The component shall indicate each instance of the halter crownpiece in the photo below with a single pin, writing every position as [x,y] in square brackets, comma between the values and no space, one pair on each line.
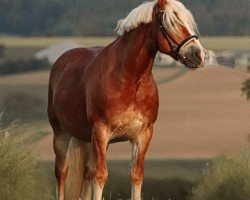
[170,39]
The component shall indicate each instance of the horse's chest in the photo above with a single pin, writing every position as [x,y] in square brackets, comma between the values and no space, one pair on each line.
[127,125]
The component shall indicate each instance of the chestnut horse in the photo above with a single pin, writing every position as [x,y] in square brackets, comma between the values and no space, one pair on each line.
[102,95]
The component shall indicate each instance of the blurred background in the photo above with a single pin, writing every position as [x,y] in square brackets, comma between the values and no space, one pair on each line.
[203,128]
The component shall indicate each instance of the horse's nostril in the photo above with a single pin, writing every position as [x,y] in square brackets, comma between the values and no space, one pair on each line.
[197,54]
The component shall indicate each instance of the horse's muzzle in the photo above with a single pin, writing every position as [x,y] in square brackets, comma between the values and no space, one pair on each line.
[194,57]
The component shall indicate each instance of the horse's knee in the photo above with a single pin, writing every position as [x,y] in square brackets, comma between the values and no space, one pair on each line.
[61,169]
[61,142]
[137,175]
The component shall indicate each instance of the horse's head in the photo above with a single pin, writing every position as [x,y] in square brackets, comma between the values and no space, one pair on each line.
[176,33]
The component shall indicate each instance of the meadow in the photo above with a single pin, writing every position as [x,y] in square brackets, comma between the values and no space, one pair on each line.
[182,101]
[164,179]
[213,43]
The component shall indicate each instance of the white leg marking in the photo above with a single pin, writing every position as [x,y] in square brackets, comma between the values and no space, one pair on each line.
[57,193]
[87,190]
[98,191]
[88,176]
[136,188]
[136,192]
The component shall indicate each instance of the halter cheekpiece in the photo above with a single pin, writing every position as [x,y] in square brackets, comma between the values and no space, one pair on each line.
[175,49]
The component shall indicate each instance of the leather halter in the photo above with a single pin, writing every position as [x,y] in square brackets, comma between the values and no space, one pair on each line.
[175,49]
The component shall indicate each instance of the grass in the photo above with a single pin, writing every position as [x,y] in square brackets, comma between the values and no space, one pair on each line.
[164,179]
[37,131]
[227,179]
[39,90]
[226,43]
[12,53]
[164,169]
[214,43]
[41,42]
[32,179]
[18,166]
[174,178]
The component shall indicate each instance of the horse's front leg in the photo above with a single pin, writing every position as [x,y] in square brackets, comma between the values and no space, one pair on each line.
[99,141]
[139,149]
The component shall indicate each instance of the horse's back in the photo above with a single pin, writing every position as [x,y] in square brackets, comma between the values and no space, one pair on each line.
[65,91]
[75,59]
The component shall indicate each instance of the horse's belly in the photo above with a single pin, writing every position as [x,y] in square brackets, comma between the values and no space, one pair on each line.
[72,117]
[76,127]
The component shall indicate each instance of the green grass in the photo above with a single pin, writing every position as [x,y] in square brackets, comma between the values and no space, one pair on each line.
[12,53]
[214,43]
[39,90]
[164,179]
[226,43]
[228,178]
[37,131]
[41,42]
[19,176]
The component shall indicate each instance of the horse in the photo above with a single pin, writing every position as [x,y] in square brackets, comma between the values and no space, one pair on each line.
[101,95]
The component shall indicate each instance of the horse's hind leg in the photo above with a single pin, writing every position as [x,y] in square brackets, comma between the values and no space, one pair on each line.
[95,171]
[88,177]
[60,144]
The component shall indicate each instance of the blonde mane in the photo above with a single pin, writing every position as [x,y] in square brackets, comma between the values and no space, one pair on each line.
[175,13]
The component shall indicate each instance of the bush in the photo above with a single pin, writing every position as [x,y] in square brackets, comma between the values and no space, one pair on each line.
[16,165]
[23,107]
[227,179]
[2,50]
[23,65]
[246,86]
[19,176]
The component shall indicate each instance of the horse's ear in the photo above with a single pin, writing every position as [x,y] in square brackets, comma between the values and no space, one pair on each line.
[162,3]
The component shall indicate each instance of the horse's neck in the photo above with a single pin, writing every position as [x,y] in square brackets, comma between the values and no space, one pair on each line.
[136,53]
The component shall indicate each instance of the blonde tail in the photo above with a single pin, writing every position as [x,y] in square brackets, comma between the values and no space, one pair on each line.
[76,157]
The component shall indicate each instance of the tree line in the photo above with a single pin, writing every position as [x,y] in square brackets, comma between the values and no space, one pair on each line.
[99,17]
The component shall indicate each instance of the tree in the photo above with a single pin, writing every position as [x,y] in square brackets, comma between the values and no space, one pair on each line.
[98,18]
[246,86]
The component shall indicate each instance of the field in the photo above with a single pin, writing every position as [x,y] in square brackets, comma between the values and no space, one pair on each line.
[174,179]
[204,108]
[214,43]
[202,114]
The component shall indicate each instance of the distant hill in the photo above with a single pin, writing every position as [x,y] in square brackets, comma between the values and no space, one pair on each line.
[99,17]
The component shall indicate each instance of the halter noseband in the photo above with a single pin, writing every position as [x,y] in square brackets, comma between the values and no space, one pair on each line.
[170,39]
